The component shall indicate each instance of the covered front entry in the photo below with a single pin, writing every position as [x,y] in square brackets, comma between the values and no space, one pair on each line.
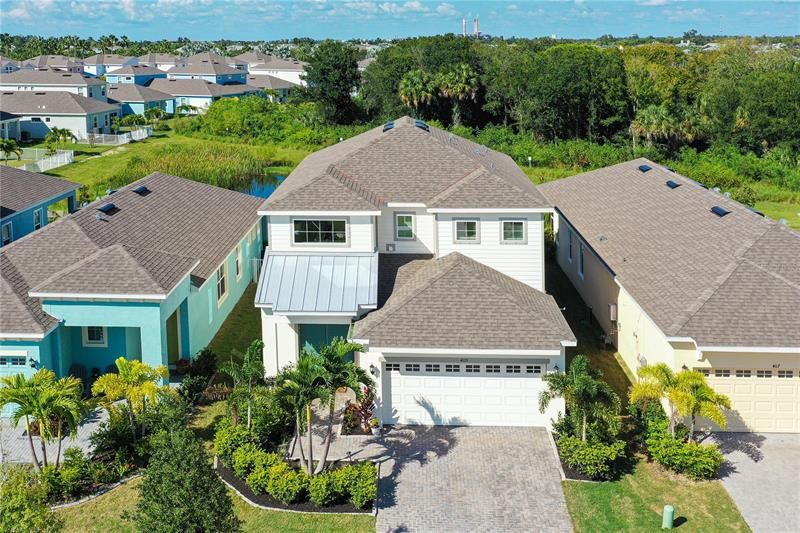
[317,335]
[466,391]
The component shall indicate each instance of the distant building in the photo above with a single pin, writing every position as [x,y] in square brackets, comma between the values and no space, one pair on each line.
[9,126]
[208,70]
[276,89]
[199,94]
[364,63]
[101,64]
[211,57]
[39,112]
[162,62]
[57,62]
[260,64]
[54,80]
[136,99]
[135,74]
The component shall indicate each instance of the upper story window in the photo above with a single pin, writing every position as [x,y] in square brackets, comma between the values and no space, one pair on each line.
[513,232]
[239,262]
[404,226]
[8,235]
[37,219]
[569,248]
[332,231]
[580,260]
[467,230]
[222,282]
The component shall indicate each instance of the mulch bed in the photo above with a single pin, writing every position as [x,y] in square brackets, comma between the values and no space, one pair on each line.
[268,501]
[569,472]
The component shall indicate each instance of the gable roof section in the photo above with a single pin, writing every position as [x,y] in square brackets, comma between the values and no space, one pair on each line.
[440,305]
[145,247]
[21,190]
[108,59]
[198,87]
[131,92]
[410,164]
[57,61]
[152,59]
[51,103]
[212,56]
[265,81]
[49,76]
[205,67]
[694,273]
[136,70]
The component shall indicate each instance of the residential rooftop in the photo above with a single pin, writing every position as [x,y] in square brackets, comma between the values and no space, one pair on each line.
[211,56]
[128,244]
[136,70]
[51,103]
[107,59]
[57,61]
[265,81]
[21,189]
[198,87]
[700,264]
[405,161]
[131,92]
[151,59]
[205,67]
[49,76]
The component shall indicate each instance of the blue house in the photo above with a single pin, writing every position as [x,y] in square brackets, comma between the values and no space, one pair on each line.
[208,70]
[149,272]
[135,74]
[26,199]
[136,99]
[198,95]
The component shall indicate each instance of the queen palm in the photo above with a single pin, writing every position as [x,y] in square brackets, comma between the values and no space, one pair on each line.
[694,397]
[59,136]
[59,403]
[9,147]
[588,398]
[656,383]
[23,393]
[247,372]
[136,383]
[340,373]
[299,387]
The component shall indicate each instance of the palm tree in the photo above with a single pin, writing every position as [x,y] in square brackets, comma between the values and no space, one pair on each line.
[693,396]
[59,136]
[9,147]
[246,373]
[154,114]
[68,408]
[185,108]
[654,123]
[136,383]
[585,395]
[416,89]
[656,382]
[458,85]
[299,387]
[340,373]
[24,394]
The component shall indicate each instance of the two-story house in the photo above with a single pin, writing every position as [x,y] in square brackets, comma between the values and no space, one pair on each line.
[162,62]
[102,64]
[428,249]
[212,71]
[135,74]
[50,79]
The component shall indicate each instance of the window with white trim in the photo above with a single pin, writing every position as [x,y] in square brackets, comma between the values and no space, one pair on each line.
[432,367]
[412,367]
[222,282]
[333,231]
[744,374]
[94,336]
[238,262]
[763,373]
[513,232]
[12,361]
[722,373]
[580,260]
[513,369]
[706,372]
[404,227]
[393,367]
[467,231]
[533,369]
[452,368]
[785,373]
[8,234]
[492,369]
[569,249]
[473,368]
[37,218]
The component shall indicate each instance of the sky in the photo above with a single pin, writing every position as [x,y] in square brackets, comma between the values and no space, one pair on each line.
[346,19]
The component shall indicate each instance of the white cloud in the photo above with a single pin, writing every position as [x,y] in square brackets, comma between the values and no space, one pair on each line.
[446,9]
[681,14]
[129,8]
[652,2]
[394,8]
[20,13]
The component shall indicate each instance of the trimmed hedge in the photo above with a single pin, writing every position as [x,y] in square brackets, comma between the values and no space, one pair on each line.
[694,460]
[287,484]
[593,459]
[228,439]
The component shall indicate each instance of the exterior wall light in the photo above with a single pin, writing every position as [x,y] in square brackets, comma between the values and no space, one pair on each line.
[373,370]
[32,362]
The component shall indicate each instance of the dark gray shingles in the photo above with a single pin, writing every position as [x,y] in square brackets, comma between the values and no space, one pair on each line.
[130,92]
[21,189]
[442,303]
[51,103]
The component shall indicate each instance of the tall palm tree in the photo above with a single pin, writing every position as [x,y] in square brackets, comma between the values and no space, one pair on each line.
[22,392]
[340,373]
[300,386]
[59,136]
[656,383]
[246,372]
[585,395]
[68,408]
[9,147]
[416,89]
[693,397]
[654,123]
[136,383]
[458,85]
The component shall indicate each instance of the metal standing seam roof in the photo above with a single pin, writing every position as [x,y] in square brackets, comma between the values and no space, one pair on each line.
[323,283]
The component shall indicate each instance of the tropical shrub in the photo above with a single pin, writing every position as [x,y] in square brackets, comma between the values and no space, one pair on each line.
[75,473]
[322,489]
[180,490]
[364,488]
[696,461]
[593,459]
[204,364]
[249,457]
[23,503]
[229,438]
[287,484]
[192,388]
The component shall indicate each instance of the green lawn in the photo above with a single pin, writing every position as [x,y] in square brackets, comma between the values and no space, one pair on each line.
[635,503]
[242,326]
[779,210]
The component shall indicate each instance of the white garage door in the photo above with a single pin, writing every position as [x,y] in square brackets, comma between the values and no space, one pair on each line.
[444,392]
[764,400]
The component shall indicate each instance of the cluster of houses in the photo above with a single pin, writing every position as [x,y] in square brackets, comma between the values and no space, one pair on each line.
[85,95]
[429,251]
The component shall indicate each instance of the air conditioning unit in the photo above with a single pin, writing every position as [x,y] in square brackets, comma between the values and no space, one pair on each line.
[612,312]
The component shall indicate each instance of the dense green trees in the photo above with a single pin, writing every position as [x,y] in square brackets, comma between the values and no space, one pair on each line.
[332,77]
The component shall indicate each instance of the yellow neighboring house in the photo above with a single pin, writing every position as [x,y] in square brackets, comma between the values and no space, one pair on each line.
[680,274]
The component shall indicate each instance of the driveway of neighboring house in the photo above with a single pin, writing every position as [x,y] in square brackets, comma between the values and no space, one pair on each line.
[763,478]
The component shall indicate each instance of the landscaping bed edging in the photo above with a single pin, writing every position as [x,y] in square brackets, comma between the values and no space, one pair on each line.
[94,495]
[267,502]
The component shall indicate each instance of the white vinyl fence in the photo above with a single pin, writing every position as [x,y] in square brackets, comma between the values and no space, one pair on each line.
[108,139]
[44,160]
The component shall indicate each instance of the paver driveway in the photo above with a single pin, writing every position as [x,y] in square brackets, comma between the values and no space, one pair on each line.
[763,478]
[470,479]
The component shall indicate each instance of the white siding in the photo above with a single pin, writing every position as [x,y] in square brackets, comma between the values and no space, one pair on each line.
[360,238]
[425,232]
[524,262]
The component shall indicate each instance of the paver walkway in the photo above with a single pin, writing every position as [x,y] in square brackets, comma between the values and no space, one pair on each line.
[763,478]
[14,447]
[459,479]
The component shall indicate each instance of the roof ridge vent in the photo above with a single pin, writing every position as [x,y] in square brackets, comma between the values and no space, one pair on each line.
[673,184]
[645,168]
[719,211]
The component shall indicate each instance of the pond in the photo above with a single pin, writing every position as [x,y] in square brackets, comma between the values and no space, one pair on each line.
[262,186]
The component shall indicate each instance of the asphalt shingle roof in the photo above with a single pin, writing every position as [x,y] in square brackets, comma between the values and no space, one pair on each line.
[136,70]
[265,81]
[107,59]
[724,281]
[405,164]
[48,76]
[51,103]
[437,294]
[198,87]
[20,189]
[145,247]
[131,92]
[205,67]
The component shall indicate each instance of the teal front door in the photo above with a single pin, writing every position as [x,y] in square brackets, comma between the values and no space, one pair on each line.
[317,335]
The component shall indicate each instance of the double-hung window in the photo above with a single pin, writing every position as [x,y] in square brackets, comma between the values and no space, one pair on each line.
[37,219]
[95,336]
[580,260]
[513,232]
[569,248]
[332,231]
[8,235]
[467,231]
[238,262]
[222,283]
[404,226]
